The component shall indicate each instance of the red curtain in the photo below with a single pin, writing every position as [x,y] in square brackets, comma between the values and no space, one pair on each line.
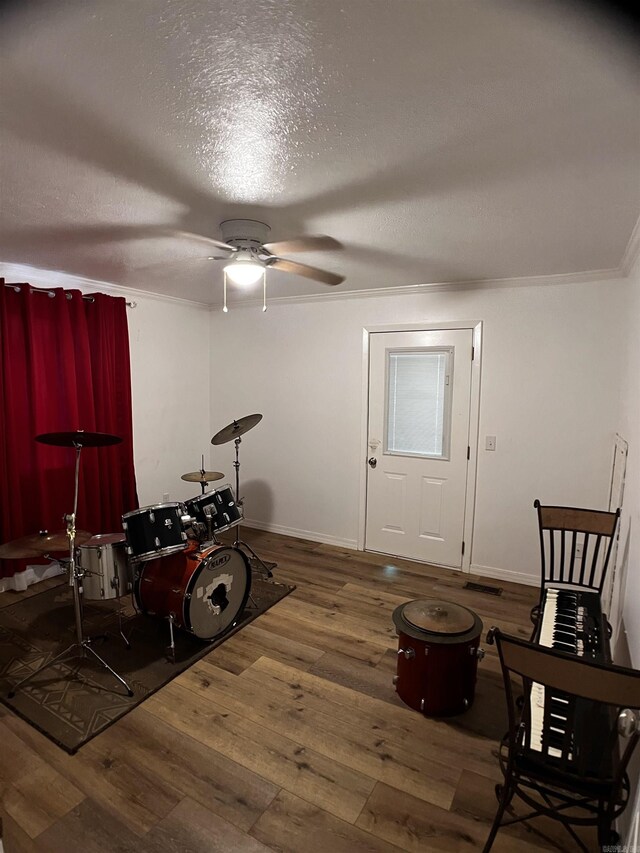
[64,366]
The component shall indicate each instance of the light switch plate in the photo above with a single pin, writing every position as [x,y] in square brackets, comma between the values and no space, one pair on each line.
[490,442]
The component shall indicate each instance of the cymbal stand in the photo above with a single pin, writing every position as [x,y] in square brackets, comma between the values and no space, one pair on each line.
[266,567]
[203,482]
[82,644]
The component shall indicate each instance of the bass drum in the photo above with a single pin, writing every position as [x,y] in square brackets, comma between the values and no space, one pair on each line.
[205,591]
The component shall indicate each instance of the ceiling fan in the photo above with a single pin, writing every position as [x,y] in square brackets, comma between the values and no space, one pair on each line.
[245,246]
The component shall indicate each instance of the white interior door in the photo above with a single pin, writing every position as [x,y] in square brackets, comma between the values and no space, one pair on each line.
[418,437]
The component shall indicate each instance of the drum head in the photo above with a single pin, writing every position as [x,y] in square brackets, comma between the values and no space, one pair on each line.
[218,591]
[105,539]
[439,617]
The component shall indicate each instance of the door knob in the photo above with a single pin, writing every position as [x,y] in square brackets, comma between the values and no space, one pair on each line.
[372,461]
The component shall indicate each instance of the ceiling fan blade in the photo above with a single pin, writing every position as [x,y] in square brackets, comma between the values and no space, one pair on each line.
[78,234]
[216,244]
[162,265]
[89,234]
[317,243]
[285,265]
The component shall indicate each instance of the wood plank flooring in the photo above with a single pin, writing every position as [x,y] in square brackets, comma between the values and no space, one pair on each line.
[289,737]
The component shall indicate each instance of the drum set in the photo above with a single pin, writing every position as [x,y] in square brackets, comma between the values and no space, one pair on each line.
[168,556]
[179,569]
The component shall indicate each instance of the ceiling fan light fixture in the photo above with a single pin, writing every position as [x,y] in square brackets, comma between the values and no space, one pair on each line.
[244,269]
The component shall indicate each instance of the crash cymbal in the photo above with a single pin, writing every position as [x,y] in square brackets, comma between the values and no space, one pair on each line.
[202,476]
[43,542]
[78,438]
[235,429]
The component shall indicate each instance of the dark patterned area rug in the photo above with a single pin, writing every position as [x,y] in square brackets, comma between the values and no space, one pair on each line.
[72,701]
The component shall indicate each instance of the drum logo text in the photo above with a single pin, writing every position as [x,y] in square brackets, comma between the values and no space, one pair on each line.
[222,560]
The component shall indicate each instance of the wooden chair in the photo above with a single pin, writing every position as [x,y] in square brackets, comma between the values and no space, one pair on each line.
[575,548]
[584,780]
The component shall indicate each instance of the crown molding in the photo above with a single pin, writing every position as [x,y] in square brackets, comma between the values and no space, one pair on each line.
[55,278]
[437,287]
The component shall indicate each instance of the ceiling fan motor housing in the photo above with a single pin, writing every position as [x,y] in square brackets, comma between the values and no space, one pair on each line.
[244,233]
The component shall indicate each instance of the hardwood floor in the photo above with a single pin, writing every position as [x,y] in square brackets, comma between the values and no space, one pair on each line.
[289,737]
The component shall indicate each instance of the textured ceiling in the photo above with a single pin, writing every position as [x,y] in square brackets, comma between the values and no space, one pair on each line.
[437,140]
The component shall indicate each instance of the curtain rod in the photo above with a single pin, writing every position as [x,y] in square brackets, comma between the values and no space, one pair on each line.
[18,285]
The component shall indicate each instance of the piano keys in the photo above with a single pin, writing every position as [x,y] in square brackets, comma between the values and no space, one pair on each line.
[572,622]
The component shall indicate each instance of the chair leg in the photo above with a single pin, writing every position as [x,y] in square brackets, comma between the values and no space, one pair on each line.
[534,615]
[606,836]
[506,795]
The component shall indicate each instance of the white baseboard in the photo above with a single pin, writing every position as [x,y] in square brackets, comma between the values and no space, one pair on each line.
[352,544]
[324,538]
[505,575]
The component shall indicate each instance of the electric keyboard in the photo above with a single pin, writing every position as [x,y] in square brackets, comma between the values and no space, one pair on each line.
[572,622]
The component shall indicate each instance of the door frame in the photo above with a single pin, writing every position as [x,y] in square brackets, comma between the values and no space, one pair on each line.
[474,423]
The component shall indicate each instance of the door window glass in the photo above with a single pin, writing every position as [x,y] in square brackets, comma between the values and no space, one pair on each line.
[418,402]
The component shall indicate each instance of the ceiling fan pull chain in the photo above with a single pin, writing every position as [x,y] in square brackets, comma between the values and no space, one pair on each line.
[224,307]
[264,290]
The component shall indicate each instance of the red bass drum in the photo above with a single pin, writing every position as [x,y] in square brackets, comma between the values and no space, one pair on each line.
[205,591]
[437,656]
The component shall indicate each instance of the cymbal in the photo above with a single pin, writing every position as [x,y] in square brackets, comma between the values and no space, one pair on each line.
[235,429]
[440,617]
[202,476]
[79,437]
[37,544]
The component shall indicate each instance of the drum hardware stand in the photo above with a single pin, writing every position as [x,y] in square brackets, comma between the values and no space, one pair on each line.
[82,647]
[121,632]
[172,644]
[208,515]
[116,586]
[266,567]
[203,482]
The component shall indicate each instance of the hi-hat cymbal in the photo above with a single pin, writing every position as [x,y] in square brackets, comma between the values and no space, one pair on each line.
[37,544]
[236,429]
[202,476]
[78,438]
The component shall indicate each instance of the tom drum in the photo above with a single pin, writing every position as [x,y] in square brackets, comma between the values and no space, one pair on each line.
[205,591]
[220,505]
[155,531]
[437,656]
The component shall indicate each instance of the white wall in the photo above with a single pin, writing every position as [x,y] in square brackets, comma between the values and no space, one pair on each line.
[553,367]
[552,358]
[170,384]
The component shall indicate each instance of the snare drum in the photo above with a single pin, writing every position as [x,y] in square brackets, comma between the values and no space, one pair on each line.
[106,572]
[155,531]
[205,591]
[220,504]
